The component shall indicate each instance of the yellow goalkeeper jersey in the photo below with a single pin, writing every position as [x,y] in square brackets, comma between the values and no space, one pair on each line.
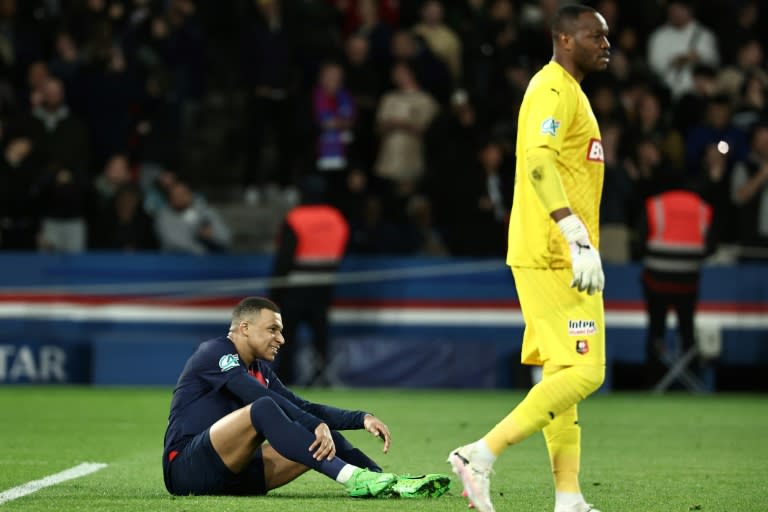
[556,114]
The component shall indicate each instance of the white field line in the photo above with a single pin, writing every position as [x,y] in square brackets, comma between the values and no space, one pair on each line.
[86,468]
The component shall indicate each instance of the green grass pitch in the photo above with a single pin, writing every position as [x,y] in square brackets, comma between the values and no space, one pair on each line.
[672,453]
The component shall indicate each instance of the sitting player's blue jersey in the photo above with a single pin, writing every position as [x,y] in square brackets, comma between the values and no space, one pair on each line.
[214,383]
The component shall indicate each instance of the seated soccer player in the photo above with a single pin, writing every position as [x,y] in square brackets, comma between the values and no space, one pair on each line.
[228,402]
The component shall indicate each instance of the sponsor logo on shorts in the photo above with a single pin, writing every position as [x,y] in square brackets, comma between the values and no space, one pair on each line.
[581,327]
[582,346]
[229,361]
[549,126]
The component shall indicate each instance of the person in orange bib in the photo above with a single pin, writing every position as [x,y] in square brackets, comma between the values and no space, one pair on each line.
[313,241]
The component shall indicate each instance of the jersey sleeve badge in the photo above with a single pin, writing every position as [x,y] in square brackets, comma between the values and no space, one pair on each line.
[229,361]
[549,126]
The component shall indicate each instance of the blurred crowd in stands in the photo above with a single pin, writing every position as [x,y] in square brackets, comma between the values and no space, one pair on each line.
[122,121]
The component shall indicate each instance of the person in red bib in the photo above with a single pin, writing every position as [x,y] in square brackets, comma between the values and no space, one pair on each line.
[312,243]
[677,237]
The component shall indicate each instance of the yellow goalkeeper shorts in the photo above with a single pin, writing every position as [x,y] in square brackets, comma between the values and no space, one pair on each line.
[562,325]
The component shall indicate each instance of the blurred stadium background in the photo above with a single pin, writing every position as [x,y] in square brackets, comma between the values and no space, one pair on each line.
[108,106]
[117,114]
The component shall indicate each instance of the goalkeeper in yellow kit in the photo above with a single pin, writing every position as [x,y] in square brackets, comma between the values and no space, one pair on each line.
[553,253]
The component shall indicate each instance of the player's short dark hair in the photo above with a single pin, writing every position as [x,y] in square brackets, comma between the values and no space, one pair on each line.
[251,305]
[565,18]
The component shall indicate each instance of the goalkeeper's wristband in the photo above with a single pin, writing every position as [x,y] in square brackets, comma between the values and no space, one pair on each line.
[573,230]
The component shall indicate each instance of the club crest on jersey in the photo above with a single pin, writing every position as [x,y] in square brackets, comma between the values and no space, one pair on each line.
[595,151]
[549,126]
[582,347]
[229,361]
[581,327]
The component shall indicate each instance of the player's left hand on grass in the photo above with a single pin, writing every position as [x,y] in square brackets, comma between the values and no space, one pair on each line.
[379,429]
[587,267]
[323,445]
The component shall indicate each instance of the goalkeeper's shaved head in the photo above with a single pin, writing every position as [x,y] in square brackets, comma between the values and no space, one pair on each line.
[567,18]
[580,40]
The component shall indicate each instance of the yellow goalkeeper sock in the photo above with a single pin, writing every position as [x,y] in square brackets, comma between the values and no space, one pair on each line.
[561,388]
[563,437]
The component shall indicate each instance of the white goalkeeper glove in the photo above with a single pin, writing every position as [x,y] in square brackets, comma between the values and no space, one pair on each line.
[585,260]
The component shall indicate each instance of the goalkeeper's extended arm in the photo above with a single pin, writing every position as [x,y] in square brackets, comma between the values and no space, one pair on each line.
[587,268]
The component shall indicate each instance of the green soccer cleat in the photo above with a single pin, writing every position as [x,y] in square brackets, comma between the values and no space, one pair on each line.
[368,484]
[432,485]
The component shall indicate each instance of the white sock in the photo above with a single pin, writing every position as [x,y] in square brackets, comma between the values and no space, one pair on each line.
[346,473]
[568,499]
[482,454]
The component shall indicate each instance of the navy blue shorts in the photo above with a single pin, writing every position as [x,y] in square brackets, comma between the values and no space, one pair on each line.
[198,469]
